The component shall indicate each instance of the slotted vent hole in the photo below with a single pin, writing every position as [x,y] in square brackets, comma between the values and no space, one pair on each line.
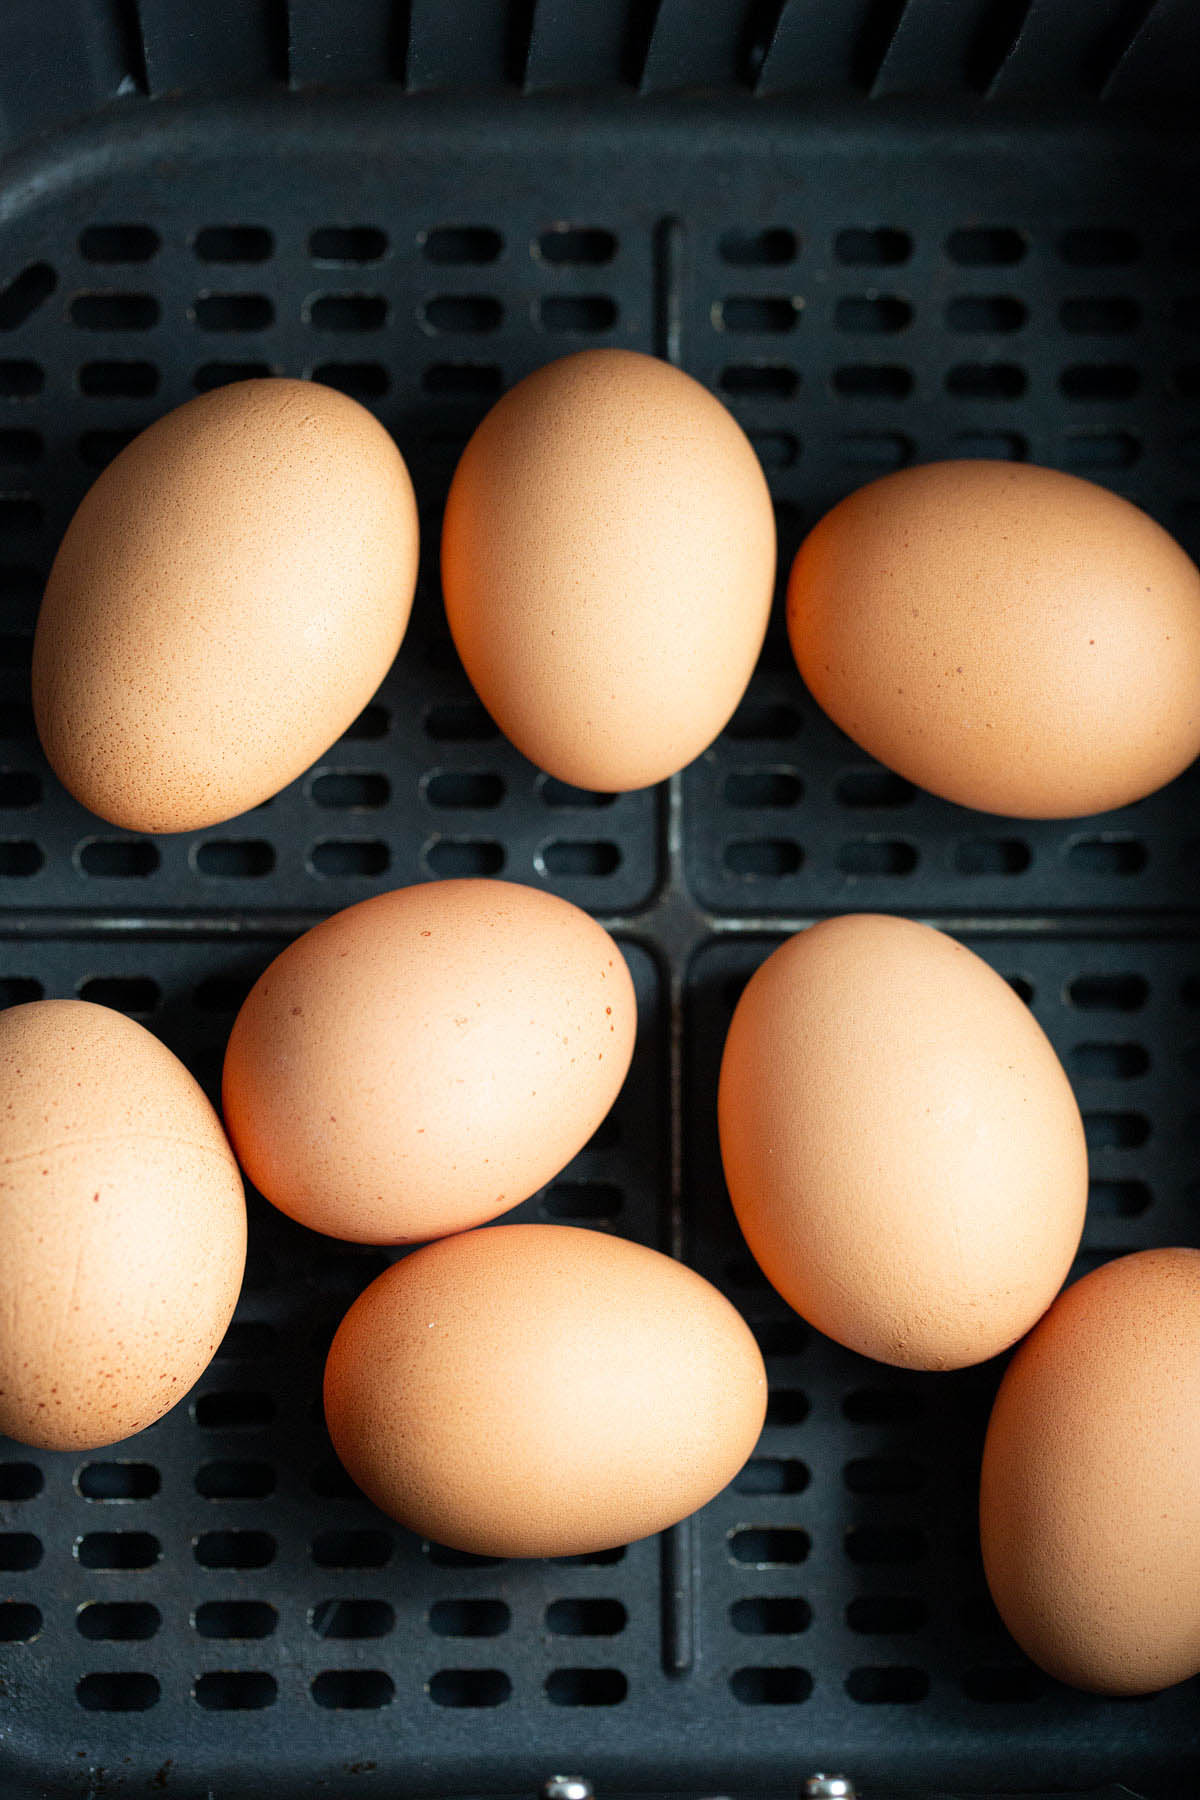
[235,1480]
[471,244]
[881,246]
[117,1550]
[470,1688]
[118,1621]
[20,1622]
[115,311]
[235,1550]
[985,246]
[133,994]
[347,312]
[586,1687]
[470,1618]
[586,1618]
[117,1690]
[772,1475]
[770,1616]
[336,858]
[768,248]
[453,858]
[363,1549]
[577,856]
[119,243]
[886,1615]
[887,1686]
[235,1690]
[119,1481]
[771,1686]
[770,1546]
[353,1618]
[233,1409]
[19,1550]
[235,1620]
[586,246]
[347,244]
[23,295]
[1108,993]
[20,1481]
[763,858]
[234,244]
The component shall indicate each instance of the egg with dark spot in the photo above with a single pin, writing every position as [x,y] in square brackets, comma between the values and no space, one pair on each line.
[455,1031]
[123,1226]
[1012,638]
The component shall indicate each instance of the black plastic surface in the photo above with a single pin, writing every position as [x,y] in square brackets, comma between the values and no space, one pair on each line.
[862,292]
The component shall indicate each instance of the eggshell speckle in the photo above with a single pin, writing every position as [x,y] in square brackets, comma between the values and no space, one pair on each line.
[536,1390]
[425,1060]
[1090,1495]
[122,1221]
[901,1144]
[1009,637]
[227,598]
[608,560]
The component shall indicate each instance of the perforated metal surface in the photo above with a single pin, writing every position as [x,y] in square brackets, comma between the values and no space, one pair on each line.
[211,1602]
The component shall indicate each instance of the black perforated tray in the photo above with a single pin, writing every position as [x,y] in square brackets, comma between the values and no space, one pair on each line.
[211,1608]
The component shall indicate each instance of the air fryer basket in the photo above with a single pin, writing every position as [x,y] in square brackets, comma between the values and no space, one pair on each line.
[882,234]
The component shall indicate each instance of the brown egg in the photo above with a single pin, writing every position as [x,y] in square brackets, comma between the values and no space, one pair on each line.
[428,1058]
[537,1390]
[123,1225]
[903,1150]
[608,560]
[1089,1505]
[1008,637]
[227,598]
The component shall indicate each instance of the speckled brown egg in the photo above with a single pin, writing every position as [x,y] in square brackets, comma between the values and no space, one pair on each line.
[902,1147]
[608,559]
[428,1058]
[122,1226]
[1090,1497]
[1012,638]
[227,598]
[537,1390]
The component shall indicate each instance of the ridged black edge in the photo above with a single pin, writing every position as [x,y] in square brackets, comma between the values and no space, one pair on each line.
[578,44]
[59,62]
[133,48]
[948,49]
[696,46]
[448,48]
[1068,47]
[353,41]
[1163,56]
[819,48]
[224,44]
[68,62]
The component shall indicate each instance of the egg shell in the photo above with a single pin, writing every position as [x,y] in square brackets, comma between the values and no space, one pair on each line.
[428,1058]
[1012,638]
[538,1390]
[902,1147]
[228,596]
[122,1221]
[1090,1494]
[608,561]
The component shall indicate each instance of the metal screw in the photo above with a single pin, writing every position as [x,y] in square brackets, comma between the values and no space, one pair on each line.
[569,1787]
[829,1787]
